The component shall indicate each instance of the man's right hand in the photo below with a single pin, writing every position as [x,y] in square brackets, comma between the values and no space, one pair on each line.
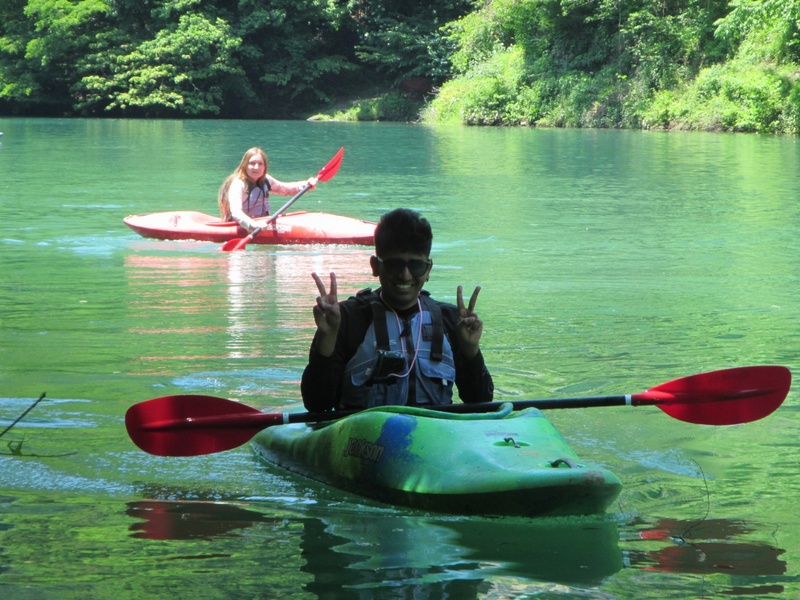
[327,315]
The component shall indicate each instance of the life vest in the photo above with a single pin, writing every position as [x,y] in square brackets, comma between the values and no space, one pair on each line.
[401,360]
[257,203]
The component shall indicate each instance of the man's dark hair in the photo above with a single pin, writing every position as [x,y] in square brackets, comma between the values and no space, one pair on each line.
[403,230]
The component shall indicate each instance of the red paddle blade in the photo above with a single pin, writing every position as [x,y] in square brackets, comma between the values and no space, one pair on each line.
[191,425]
[240,243]
[725,397]
[243,243]
[328,171]
[233,244]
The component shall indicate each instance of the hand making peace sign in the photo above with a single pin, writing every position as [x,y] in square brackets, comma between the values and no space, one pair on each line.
[470,327]
[326,315]
[326,310]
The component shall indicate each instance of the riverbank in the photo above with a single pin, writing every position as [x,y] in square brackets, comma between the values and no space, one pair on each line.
[738,98]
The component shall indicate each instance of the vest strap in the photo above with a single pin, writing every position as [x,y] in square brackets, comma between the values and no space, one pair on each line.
[437,327]
[379,321]
[382,330]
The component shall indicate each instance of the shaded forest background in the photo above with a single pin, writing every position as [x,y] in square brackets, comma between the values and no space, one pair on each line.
[693,64]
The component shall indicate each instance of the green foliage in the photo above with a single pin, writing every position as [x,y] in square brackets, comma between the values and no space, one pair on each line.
[41,42]
[479,36]
[182,70]
[401,38]
[387,107]
[758,30]
[755,90]
[490,95]
[295,54]
[663,50]
[732,97]
[206,57]
[624,64]
[533,62]
[721,65]
[793,110]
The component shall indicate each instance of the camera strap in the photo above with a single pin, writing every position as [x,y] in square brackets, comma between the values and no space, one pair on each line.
[436,326]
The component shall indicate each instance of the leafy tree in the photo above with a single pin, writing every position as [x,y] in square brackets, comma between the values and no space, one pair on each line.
[17,83]
[593,63]
[294,53]
[41,42]
[185,69]
[762,29]
[756,89]
[718,64]
[401,38]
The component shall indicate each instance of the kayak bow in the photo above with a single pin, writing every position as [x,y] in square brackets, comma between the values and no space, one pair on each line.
[501,463]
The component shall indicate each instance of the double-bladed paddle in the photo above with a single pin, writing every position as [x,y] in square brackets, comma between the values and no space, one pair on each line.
[325,173]
[191,425]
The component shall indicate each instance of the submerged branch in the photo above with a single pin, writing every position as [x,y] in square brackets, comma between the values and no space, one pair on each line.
[16,446]
[22,416]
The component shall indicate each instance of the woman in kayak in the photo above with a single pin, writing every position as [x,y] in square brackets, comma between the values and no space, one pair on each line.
[395,345]
[244,195]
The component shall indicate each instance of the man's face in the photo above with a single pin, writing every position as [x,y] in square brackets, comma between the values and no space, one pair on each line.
[402,275]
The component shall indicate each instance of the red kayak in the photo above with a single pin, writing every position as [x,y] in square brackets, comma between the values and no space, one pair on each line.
[291,228]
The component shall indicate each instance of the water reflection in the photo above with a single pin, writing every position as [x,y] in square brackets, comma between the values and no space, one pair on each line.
[231,323]
[175,305]
[275,290]
[430,557]
[236,298]
[166,520]
[368,551]
[245,275]
[706,547]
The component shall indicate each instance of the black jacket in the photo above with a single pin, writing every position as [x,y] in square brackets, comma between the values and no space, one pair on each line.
[321,383]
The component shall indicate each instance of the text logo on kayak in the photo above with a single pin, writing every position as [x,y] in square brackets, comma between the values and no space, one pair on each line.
[363,449]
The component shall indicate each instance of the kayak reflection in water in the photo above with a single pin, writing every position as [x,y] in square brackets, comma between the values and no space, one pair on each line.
[244,195]
[395,345]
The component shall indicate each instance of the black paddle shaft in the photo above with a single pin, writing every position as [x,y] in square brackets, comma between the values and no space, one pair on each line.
[478,407]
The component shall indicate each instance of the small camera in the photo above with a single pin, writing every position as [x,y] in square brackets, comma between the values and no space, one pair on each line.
[390,362]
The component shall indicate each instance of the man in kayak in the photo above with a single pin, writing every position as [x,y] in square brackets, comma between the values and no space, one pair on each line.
[244,195]
[395,345]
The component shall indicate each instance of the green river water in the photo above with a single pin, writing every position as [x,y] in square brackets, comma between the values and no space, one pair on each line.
[610,262]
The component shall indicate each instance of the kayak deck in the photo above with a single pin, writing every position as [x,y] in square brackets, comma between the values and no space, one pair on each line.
[503,463]
[290,228]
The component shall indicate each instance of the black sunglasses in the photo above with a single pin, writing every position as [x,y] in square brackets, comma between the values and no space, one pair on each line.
[395,266]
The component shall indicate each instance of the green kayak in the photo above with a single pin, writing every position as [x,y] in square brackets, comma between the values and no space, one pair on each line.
[500,463]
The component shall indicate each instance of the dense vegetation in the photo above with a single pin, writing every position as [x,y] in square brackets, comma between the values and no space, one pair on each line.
[228,58]
[696,64]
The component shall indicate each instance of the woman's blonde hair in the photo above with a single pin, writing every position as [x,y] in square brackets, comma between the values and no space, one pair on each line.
[239,173]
